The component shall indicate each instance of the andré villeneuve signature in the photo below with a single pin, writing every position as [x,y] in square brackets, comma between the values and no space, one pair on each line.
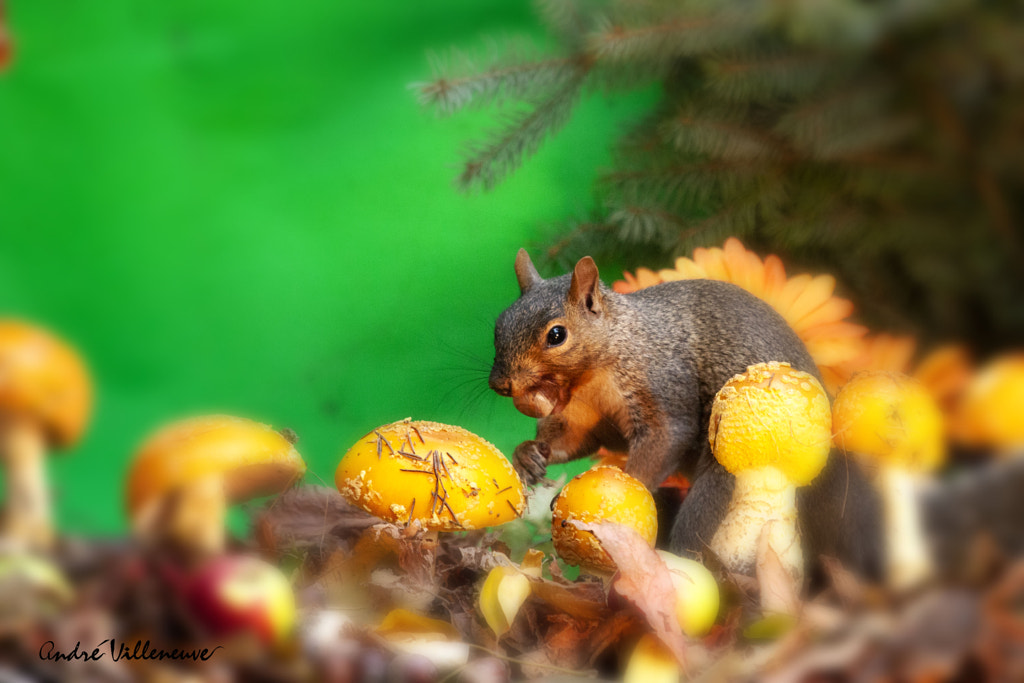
[118,651]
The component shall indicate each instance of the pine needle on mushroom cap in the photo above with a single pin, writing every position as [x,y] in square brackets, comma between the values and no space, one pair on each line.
[442,476]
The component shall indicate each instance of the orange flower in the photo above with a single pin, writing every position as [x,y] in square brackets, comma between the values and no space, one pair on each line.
[946,372]
[805,301]
[881,352]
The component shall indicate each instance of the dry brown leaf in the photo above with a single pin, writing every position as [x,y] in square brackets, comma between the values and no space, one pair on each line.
[611,632]
[567,641]
[848,588]
[527,631]
[936,633]
[584,600]
[316,518]
[643,580]
[794,659]
[780,590]
[1000,640]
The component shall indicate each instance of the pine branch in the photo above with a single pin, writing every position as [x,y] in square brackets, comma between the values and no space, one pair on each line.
[845,121]
[523,133]
[888,176]
[569,20]
[694,184]
[582,238]
[720,136]
[873,136]
[767,77]
[644,225]
[739,219]
[459,82]
[659,44]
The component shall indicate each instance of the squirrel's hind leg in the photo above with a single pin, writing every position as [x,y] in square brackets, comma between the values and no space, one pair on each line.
[702,512]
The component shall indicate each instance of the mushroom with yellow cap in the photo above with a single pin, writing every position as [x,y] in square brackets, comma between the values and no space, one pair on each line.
[989,413]
[771,428]
[45,400]
[441,476]
[186,474]
[891,423]
[601,494]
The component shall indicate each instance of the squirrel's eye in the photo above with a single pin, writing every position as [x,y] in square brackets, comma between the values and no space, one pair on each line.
[557,335]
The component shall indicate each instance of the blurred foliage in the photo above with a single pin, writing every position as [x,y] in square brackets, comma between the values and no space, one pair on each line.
[882,141]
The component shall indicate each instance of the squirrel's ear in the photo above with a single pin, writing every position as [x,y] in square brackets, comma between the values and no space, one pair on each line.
[525,272]
[585,289]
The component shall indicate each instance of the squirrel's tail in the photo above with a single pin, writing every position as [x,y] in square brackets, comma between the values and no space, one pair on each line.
[979,505]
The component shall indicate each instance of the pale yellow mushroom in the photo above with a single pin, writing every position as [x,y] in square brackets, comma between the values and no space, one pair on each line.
[892,425]
[45,401]
[771,428]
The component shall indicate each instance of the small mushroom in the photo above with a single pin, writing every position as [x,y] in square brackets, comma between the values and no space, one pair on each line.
[184,477]
[697,594]
[892,425]
[601,494]
[45,401]
[771,428]
[443,477]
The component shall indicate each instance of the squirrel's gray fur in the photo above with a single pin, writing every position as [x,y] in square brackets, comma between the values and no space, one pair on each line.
[644,369]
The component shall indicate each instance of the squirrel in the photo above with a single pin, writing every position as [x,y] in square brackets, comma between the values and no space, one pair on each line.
[638,373]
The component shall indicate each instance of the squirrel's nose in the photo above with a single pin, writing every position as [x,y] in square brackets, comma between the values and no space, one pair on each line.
[499,382]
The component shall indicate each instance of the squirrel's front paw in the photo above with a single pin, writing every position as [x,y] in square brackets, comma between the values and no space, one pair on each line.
[530,460]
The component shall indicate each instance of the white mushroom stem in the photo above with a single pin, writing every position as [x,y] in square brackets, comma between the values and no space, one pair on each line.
[763,500]
[908,558]
[27,520]
[192,518]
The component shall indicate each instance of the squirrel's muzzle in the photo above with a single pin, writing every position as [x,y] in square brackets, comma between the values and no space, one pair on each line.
[532,402]
[500,382]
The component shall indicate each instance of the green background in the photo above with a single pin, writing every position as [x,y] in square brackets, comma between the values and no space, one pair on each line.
[239,206]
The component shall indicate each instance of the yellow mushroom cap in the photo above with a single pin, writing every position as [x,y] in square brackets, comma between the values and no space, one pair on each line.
[43,379]
[253,458]
[772,415]
[990,413]
[445,477]
[601,494]
[889,417]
